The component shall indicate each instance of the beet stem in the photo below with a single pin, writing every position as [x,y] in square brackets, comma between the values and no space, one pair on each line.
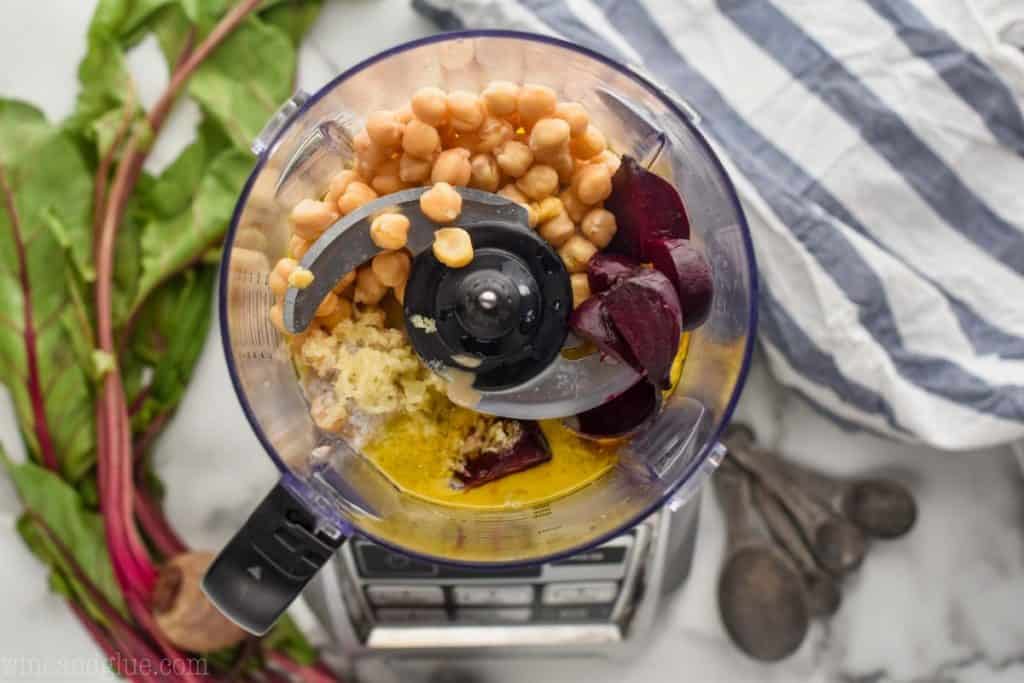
[44,437]
[132,564]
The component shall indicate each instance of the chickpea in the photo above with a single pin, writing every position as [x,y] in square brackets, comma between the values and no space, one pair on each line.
[365,172]
[576,253]
[558,230]
[575,115]
[514,158]
[580,284]
[593,183]
[564,166]
[420,139]
[430,105]
[494,132]
[599,227]
[535,102]
[441,203]
[539,182]
[414,170]
[277,318]
[500,98]
[278,279]
[387,184]
[368,153]
[344,283]
[452,167]
[572,204]
[609,159]
[356,195]
[369,290]
[549,208]
[338,185]
[465,111]
[531,215]
[548,134]
[453,247]
[328,305]
[391,267]
[390,231]
[588,144]
[387,181]
[513,193]
[483,173]
[404,115]
[384,129]
[298,247]
[343,311]
[310,218]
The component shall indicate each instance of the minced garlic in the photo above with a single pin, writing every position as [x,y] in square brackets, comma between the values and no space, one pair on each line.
[372,369]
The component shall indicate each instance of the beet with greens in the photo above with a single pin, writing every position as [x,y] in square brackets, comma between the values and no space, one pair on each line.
[689,273]
[646,207]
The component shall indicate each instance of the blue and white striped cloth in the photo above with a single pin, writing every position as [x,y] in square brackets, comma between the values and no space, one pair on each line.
[878,148]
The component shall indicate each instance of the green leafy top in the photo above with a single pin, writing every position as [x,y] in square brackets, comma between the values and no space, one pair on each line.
[163,287]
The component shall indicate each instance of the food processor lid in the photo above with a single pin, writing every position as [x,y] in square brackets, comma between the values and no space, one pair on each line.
[495,329]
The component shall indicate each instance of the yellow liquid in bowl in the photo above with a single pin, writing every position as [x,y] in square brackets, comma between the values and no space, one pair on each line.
[417,453]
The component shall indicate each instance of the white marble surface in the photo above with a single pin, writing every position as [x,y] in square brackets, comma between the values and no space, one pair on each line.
[942,605]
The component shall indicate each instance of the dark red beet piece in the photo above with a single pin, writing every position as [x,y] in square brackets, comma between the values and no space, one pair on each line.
[531,449]
[590,320]
[689,272]
[623,413]
[646,207]
[644,310]
[604,270]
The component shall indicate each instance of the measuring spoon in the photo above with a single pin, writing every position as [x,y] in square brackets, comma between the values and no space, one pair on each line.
[837,544]
[761,596]
[823,595]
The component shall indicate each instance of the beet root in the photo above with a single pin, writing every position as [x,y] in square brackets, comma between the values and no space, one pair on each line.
[689,273]
[644,310]
[646,207]
[590,320]
[184,614]
[529,450]
[622,414]
[604,270]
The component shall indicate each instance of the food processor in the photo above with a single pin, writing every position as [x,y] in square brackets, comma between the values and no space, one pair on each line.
[585,568]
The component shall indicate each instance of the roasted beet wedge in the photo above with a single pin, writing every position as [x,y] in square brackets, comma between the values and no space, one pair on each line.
[531,449]
[622,414]
[644,310]
[604,270]
[590,320]
[689,273]
[646,207]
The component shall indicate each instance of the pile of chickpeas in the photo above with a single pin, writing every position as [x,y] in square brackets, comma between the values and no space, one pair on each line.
[517,141]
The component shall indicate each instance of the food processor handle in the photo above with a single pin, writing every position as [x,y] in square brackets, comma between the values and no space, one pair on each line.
[265,566]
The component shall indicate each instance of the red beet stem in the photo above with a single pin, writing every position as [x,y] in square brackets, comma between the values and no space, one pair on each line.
[44,438]
[155,525]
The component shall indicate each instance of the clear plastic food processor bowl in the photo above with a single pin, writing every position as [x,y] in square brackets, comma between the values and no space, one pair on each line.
[327,490]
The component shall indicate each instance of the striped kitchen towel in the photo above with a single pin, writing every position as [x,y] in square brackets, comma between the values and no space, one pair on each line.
[878,148]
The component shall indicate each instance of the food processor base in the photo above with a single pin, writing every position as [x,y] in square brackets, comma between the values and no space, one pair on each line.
[375,603]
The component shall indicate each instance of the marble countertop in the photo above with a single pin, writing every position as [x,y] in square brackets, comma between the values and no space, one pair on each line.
[941,605]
